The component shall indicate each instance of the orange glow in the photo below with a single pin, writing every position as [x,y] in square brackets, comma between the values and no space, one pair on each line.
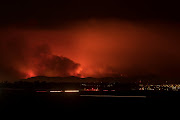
[102,48]
[30,74]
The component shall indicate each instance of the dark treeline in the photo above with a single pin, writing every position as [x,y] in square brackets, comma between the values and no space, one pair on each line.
[72,82]
[42,82]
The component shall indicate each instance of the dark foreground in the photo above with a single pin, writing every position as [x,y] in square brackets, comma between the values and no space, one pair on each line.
[25,102]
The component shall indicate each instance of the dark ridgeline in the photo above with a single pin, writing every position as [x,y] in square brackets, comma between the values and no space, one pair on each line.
[72,82]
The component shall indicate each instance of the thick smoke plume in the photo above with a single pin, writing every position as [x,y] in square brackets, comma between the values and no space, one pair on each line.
[22,58]
[104,48]
[47,64]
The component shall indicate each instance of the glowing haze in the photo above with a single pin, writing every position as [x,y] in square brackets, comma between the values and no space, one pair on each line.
[93,48]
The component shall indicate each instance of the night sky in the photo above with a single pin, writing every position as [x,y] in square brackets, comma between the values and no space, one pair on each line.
[87,38]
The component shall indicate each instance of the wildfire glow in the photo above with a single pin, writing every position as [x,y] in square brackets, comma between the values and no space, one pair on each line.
[103,48]
[30,74]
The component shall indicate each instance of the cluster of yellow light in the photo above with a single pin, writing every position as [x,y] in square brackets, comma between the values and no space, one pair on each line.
[175,87]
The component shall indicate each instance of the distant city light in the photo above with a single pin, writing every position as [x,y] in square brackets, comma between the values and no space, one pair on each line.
[105,90]
[56,91]
[162,87]
[69,91]
[92,89]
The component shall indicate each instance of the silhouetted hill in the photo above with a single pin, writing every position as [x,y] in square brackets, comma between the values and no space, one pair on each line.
[73,79]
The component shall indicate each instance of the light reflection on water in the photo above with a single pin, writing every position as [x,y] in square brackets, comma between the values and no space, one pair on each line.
[113,96]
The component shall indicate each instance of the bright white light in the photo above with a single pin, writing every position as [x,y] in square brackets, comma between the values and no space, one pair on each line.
[56,91]
[71,90]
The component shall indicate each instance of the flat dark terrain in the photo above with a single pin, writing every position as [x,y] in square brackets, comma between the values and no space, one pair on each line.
[26,101]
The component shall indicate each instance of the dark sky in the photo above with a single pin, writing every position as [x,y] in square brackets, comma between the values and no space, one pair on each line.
[45,12]
[89,38]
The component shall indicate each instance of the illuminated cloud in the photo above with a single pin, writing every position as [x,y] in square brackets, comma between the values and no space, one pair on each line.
[93,48]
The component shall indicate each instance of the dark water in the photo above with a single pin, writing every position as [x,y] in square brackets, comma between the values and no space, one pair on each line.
[23,102]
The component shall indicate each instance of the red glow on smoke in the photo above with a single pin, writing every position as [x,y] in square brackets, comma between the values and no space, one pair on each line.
[30,74]
[90,49]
